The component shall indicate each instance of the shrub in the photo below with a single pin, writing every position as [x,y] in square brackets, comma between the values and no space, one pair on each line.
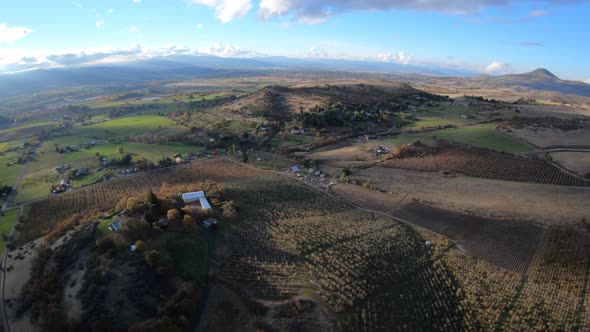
[189,224]
[153,258]
[172,214]
[229,211]
[139,245]
[134,230]
[104,245]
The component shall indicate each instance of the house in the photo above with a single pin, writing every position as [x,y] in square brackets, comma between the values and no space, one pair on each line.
[115,226]
[295,169]
[193,197]
[61,187]
[163,222]
[209,222]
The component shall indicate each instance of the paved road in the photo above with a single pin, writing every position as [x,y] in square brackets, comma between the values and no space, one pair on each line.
[558,150]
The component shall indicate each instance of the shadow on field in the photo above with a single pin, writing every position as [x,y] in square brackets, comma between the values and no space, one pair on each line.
[506,244]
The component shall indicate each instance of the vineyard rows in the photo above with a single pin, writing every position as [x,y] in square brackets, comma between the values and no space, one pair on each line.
[45,214]
[90,162]
[551,299]
[374,273]
[485,164]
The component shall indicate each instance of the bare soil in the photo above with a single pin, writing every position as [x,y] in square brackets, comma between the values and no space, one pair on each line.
[537,203]
[578,162]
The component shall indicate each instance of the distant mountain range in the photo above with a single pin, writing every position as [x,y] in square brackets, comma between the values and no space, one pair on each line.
[189,66]
[539,79]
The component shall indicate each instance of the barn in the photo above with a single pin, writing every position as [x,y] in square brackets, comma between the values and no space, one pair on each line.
[190,198]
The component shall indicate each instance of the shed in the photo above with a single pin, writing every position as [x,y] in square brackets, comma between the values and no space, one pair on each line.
[115,226]
[193,196]
[209,222]
[196,196]
[295,169]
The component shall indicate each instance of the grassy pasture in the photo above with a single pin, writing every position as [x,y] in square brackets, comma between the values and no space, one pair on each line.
[124,127]
[482,135]
[6,222]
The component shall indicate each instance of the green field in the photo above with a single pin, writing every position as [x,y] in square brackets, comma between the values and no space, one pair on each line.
[9,174]
[153,152]
[6,223]
[443,115]
[124,127]
[482,135]
[189,254]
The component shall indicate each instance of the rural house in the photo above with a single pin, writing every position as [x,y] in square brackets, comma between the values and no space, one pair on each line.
[189,198]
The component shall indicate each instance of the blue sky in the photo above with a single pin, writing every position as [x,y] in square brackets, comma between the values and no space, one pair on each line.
[493,36]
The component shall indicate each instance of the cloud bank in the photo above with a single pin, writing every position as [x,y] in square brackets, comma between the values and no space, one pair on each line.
[317,11]
[10,34]
[226,10]
[498,68]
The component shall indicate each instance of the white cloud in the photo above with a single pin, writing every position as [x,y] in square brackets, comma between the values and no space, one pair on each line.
[99,24]
[12,34]
[136,1]
[200,26]
[110,11]
[226,51]
[316,53]
[498,68]
[537,13]
[397,57]
[133,28]
[226,10]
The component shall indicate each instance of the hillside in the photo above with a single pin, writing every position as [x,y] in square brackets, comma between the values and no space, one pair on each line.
[543,79]
[5,122]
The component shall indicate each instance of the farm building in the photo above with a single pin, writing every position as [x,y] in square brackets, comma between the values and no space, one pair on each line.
[115,226]
[193,197]
[209,222]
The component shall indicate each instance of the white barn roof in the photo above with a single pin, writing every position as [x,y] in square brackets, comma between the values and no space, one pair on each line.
[193,197]
[205,203]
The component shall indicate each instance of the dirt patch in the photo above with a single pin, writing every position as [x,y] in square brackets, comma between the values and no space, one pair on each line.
[497,199]
[549,137]
[18,267]
[578,162]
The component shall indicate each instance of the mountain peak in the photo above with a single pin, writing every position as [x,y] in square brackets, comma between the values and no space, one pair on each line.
[542,72]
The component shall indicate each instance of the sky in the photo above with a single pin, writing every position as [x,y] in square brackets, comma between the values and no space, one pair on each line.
[482,36]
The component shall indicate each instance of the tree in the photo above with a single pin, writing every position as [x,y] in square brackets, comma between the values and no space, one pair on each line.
[120,150]
[139,245]
[152,198]
[147,216]
[172,214]
[153,258]
[126,159]
[188,223]
[229,210]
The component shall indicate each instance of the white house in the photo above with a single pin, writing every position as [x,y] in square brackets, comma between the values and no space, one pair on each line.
[196,196]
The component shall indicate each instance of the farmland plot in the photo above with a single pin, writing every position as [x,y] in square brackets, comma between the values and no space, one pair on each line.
[485,164]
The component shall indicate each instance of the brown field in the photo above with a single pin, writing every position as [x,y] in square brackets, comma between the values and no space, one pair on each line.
[482,163]
[537,203]
[578,162]
[506,244]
